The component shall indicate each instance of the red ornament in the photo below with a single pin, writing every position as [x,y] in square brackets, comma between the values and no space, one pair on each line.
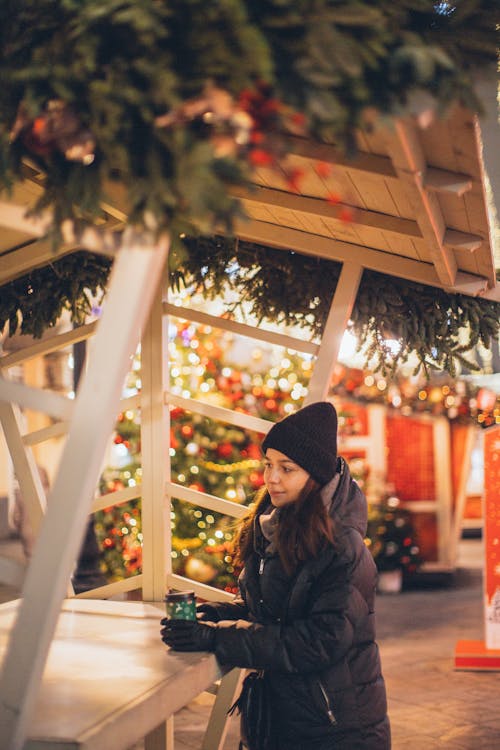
[260,158]
[333,198]
[256,479]
[224,450]
[187,431]
[298,118]
[323,169]
[254,451]
[257,137]
[118,439]
[197,486]
[346,214]
[294,178]
[270,404]
[486,399]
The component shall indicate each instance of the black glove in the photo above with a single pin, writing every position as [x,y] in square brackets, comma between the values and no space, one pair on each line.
[206,612]
[188,635]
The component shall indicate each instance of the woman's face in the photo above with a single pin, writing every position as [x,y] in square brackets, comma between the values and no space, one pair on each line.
[284,479]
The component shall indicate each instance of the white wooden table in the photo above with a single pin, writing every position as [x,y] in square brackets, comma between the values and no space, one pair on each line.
[109,680]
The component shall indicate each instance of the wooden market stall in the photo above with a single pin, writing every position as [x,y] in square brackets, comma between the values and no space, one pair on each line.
[414,206]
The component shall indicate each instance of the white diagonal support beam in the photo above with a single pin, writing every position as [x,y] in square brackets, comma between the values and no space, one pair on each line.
[410,164]
[47,402]
[48,345]
[204,500]
[340,310]
[116,498]
[131,290]
[241,329]
[203,590]
[25,468]
[132,583]
[236,418]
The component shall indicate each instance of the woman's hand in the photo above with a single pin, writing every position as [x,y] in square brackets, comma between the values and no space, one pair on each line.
[188,635]
[206,612]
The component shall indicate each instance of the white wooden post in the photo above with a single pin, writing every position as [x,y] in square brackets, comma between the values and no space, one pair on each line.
[133,281]
[376,452]
[442,473]
[216,731]
[155,454]
[155,426]
[461,492]
[341,307]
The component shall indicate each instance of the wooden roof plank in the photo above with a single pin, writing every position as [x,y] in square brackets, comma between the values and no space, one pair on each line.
[438,145]
[376,193]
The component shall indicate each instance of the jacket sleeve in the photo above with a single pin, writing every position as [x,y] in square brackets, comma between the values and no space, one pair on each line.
[216,611]
[313,642]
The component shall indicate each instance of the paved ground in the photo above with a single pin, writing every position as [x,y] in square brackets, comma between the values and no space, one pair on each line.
[431,705]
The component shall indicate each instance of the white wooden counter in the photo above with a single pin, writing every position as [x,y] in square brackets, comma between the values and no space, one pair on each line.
[109,680]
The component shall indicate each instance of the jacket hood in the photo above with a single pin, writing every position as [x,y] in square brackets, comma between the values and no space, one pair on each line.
[347,503]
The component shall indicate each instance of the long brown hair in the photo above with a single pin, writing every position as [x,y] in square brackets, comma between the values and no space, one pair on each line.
[303,531]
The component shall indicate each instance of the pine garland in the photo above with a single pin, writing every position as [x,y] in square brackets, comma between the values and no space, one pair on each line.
[296,290]
[116,66]
[284,287]
[34,302]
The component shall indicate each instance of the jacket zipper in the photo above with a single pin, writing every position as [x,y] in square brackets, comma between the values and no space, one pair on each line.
[329,711]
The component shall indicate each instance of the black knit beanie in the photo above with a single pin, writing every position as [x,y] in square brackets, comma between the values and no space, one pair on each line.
[309,438]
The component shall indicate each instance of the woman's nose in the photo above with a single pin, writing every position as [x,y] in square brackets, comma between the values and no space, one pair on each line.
[272,476]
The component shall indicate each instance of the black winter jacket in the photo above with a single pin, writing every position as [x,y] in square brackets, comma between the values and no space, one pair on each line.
[314,634]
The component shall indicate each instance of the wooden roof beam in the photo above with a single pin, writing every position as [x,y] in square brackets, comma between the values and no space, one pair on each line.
[462,240]
[442,181]
[436,180]
[32,255]
[319,207]
[323,247]
[13,216]
[408,158]
[327,152]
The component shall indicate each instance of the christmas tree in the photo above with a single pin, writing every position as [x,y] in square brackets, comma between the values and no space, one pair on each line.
[118,527]
[205,455]
[391,537]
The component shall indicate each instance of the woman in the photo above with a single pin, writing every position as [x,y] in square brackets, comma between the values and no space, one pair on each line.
[306,610]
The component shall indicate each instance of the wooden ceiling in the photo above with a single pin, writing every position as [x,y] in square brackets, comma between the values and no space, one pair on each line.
[415,197]
[412,204]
